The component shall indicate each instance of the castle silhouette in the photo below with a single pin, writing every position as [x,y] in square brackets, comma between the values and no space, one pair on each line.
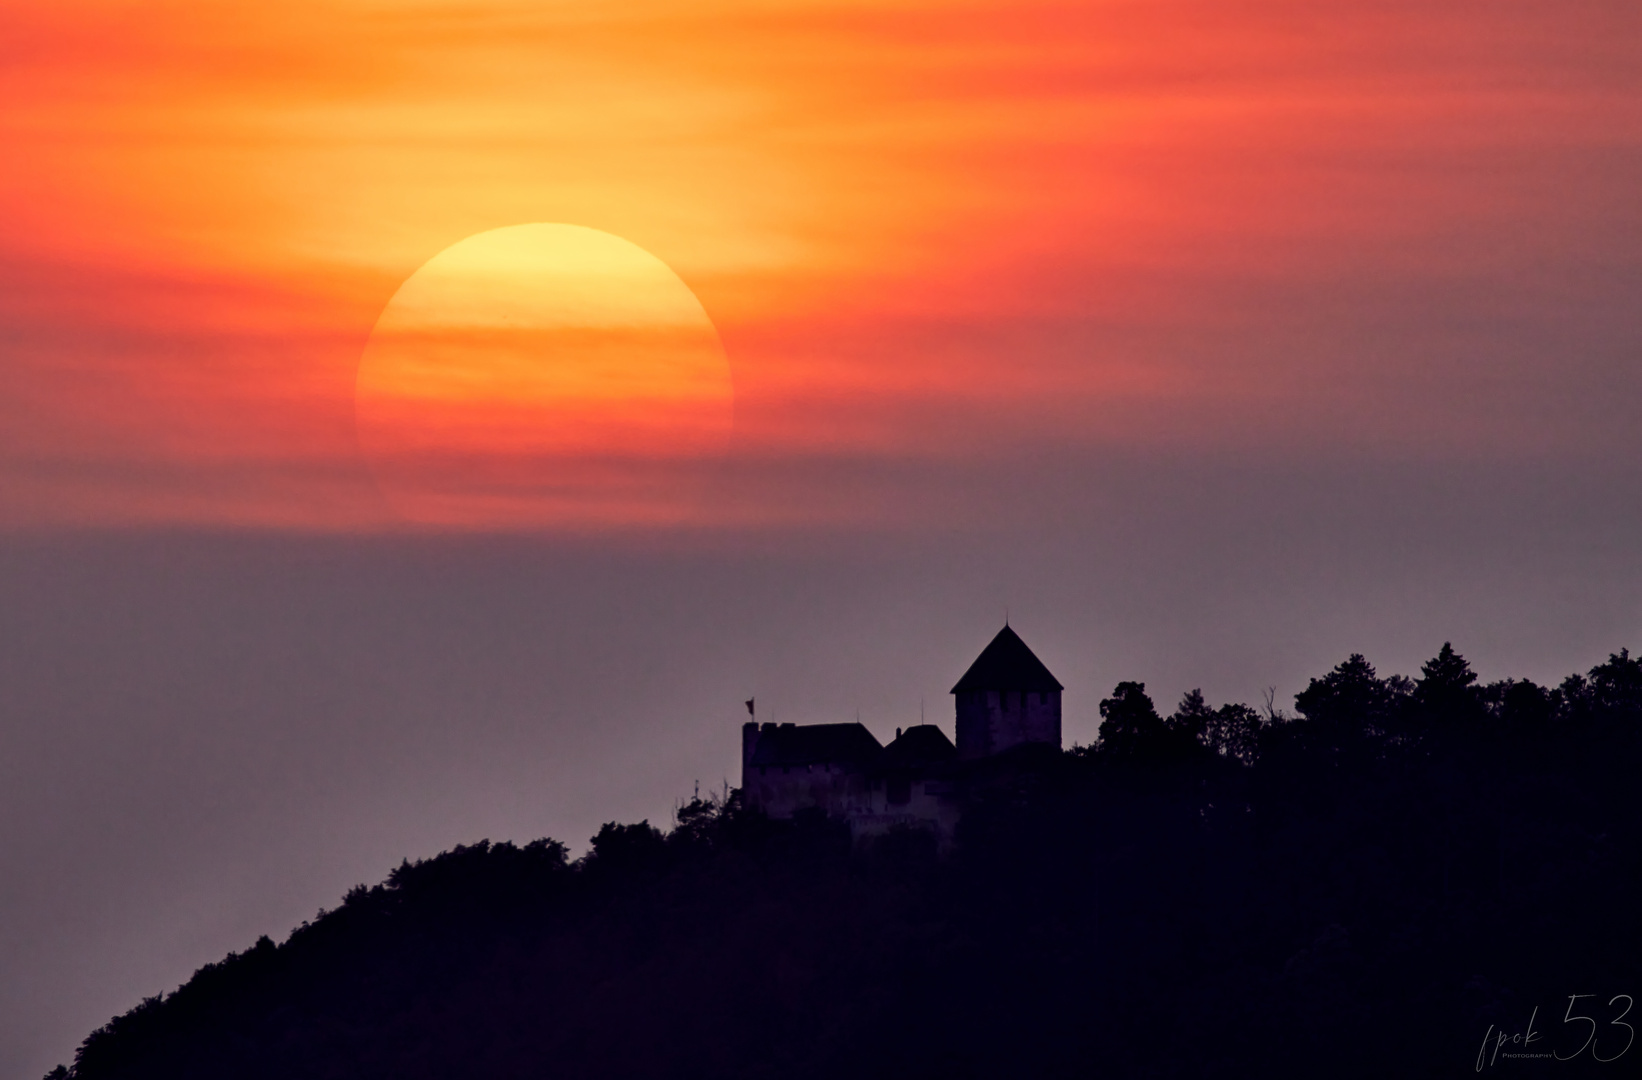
[1006,703]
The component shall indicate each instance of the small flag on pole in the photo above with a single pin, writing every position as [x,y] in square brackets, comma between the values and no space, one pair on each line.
[750,707]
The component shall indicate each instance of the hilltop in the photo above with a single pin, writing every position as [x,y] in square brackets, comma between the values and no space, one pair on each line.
[1372,886]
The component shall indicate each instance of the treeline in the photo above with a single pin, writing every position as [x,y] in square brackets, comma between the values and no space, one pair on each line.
[1383,883]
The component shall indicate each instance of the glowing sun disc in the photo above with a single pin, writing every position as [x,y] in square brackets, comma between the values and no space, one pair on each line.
[542,375]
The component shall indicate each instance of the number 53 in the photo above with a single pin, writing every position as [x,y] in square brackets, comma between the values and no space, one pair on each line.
[1590,1038]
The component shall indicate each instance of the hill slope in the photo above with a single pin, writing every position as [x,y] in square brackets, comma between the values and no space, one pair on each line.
[1365,889]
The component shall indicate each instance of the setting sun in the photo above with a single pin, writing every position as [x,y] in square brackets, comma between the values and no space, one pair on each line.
[542,375]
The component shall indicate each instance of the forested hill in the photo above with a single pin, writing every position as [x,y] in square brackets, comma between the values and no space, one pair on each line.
[1380,885]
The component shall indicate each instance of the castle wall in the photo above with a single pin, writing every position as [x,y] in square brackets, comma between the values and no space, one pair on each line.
[923,803]
[991,721]
[780,790]
[872,805]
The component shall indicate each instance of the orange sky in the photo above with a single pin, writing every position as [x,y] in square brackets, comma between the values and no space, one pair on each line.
[927,232]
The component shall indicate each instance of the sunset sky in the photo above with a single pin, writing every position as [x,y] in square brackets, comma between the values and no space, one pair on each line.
[1214,340]
[926,232]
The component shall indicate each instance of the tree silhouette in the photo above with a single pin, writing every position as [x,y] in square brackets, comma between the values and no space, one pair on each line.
[1523,706]
[1131,729]
[1193,717]
[1231,731]
[1616,686]
[1351,696]
[1446,694]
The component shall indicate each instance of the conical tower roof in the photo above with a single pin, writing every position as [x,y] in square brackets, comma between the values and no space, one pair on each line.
[1007,664]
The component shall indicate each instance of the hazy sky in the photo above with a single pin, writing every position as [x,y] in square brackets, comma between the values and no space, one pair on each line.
[1213,341]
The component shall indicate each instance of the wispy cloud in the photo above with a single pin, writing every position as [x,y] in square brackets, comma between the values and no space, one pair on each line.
[927,232]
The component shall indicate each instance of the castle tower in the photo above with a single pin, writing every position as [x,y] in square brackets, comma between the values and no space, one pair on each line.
[1006,698]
